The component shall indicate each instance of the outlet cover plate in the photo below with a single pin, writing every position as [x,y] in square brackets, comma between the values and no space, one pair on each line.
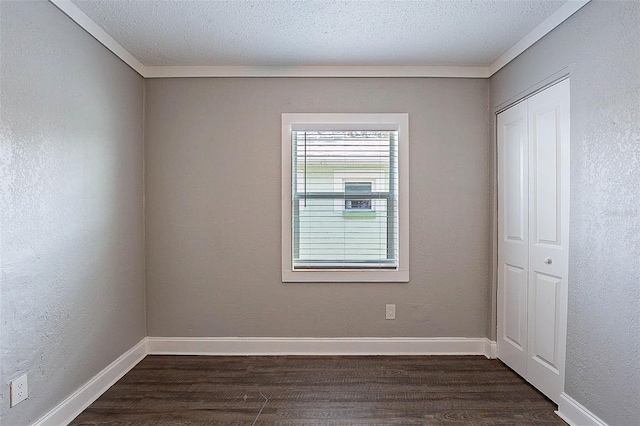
[390,311]
[19,390]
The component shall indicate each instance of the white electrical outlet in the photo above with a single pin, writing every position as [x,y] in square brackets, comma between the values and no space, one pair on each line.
[391,312]
[19,390]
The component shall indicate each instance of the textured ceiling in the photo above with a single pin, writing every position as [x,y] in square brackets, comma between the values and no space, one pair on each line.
[317,32]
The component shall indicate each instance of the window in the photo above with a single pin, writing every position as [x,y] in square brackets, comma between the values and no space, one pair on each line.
[345,198]
[352,191]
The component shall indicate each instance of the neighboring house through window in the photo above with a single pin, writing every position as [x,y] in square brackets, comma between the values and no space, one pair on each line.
[354,191]
[345,197]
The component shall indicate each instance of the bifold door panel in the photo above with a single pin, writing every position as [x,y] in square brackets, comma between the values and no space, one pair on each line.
[513,235]
[533,233]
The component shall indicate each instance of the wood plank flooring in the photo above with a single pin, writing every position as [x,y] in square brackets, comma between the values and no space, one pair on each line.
[315,390]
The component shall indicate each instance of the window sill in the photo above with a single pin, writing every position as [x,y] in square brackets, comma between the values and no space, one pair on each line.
[349,276]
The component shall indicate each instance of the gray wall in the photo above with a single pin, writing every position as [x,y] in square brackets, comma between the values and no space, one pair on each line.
[72,244]
[600,48]
[72,257]
[214,206]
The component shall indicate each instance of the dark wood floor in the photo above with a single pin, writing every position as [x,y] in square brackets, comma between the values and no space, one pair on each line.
[309,390]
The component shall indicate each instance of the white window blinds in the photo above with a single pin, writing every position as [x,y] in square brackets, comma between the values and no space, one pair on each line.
[344,199]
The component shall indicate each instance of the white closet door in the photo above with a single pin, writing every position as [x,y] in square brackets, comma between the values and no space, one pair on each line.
[533,237]
[513,237]
[548,237]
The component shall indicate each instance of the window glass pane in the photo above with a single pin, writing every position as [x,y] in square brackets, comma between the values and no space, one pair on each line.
[344,190]
[350,204]
[357,187]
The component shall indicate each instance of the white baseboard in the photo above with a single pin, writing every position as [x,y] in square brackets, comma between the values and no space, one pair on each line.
[574,413]
[316,346]
[490,349]
[71,407]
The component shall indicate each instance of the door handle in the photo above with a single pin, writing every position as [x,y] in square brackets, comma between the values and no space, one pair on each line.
[548,260]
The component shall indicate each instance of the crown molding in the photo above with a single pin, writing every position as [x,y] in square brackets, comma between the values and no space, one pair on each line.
[80,18]
[316,71]
[560,15]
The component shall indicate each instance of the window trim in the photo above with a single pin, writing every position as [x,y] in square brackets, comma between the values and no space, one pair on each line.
[330,121]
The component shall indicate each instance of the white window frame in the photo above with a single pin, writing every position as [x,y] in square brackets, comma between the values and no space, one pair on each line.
[330,121]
